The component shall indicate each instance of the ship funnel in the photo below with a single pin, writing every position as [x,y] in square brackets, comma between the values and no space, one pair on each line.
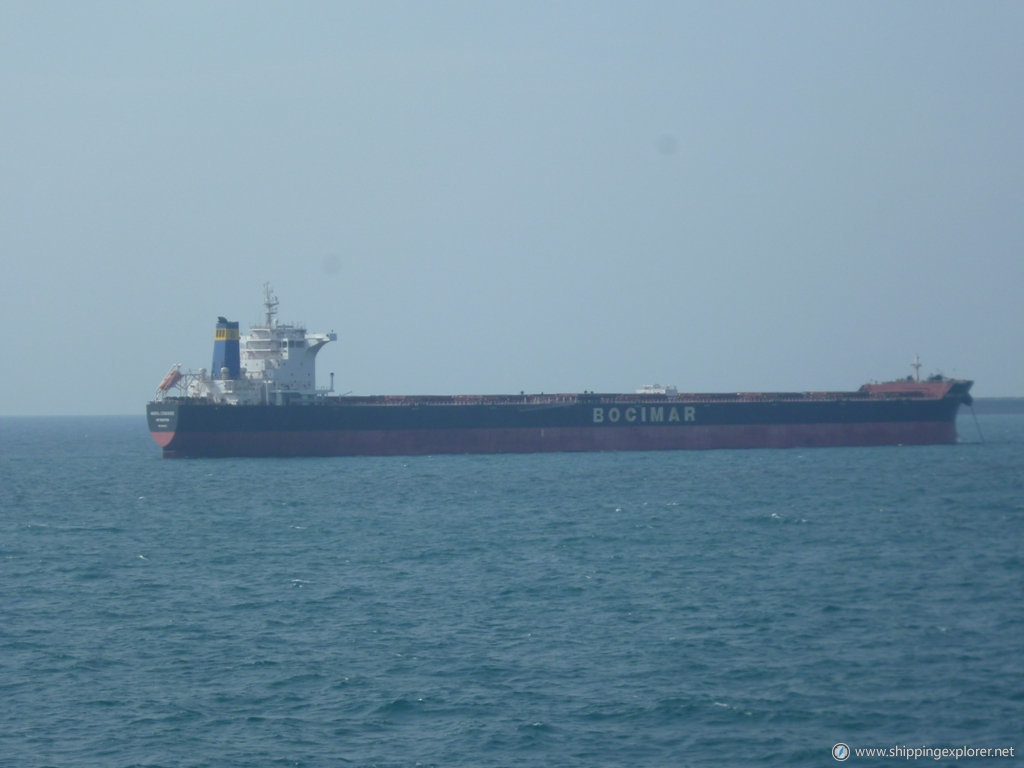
[225,348]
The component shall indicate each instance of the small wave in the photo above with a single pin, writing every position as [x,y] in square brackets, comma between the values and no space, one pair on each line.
[400,707]
[535,727]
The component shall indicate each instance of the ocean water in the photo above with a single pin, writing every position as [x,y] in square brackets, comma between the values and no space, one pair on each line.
[622,609]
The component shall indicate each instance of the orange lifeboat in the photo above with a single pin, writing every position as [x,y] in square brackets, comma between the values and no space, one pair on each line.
[172,378]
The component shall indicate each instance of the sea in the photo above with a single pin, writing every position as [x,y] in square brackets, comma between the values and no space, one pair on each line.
[706,608]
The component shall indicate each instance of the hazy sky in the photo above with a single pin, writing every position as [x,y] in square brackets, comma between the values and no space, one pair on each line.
[494,197]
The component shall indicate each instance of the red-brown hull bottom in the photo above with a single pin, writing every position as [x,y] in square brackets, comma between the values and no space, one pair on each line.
[529,440]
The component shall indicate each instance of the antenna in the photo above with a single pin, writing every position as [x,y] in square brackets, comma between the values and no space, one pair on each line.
[269,304]
[916,365]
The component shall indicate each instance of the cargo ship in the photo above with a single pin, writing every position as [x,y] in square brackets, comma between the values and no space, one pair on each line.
[260,399]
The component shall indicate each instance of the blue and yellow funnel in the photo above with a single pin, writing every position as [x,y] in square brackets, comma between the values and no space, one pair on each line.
[225,350]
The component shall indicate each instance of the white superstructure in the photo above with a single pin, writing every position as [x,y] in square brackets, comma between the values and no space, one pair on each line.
[282,356]
[278,365]
[657,389]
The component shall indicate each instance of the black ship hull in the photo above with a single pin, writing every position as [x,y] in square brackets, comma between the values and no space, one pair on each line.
[357,426]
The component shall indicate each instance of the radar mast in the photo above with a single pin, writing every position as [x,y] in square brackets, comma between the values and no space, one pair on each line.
[269,305]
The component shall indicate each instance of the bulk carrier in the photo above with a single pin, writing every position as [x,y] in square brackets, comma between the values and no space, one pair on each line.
[260,399]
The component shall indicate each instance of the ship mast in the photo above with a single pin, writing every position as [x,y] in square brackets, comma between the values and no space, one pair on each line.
[269,305]
[916,365]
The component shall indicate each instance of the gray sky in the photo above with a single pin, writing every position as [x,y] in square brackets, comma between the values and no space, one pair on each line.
[495,197]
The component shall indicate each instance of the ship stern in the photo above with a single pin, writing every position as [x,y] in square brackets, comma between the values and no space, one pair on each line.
[162,417]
